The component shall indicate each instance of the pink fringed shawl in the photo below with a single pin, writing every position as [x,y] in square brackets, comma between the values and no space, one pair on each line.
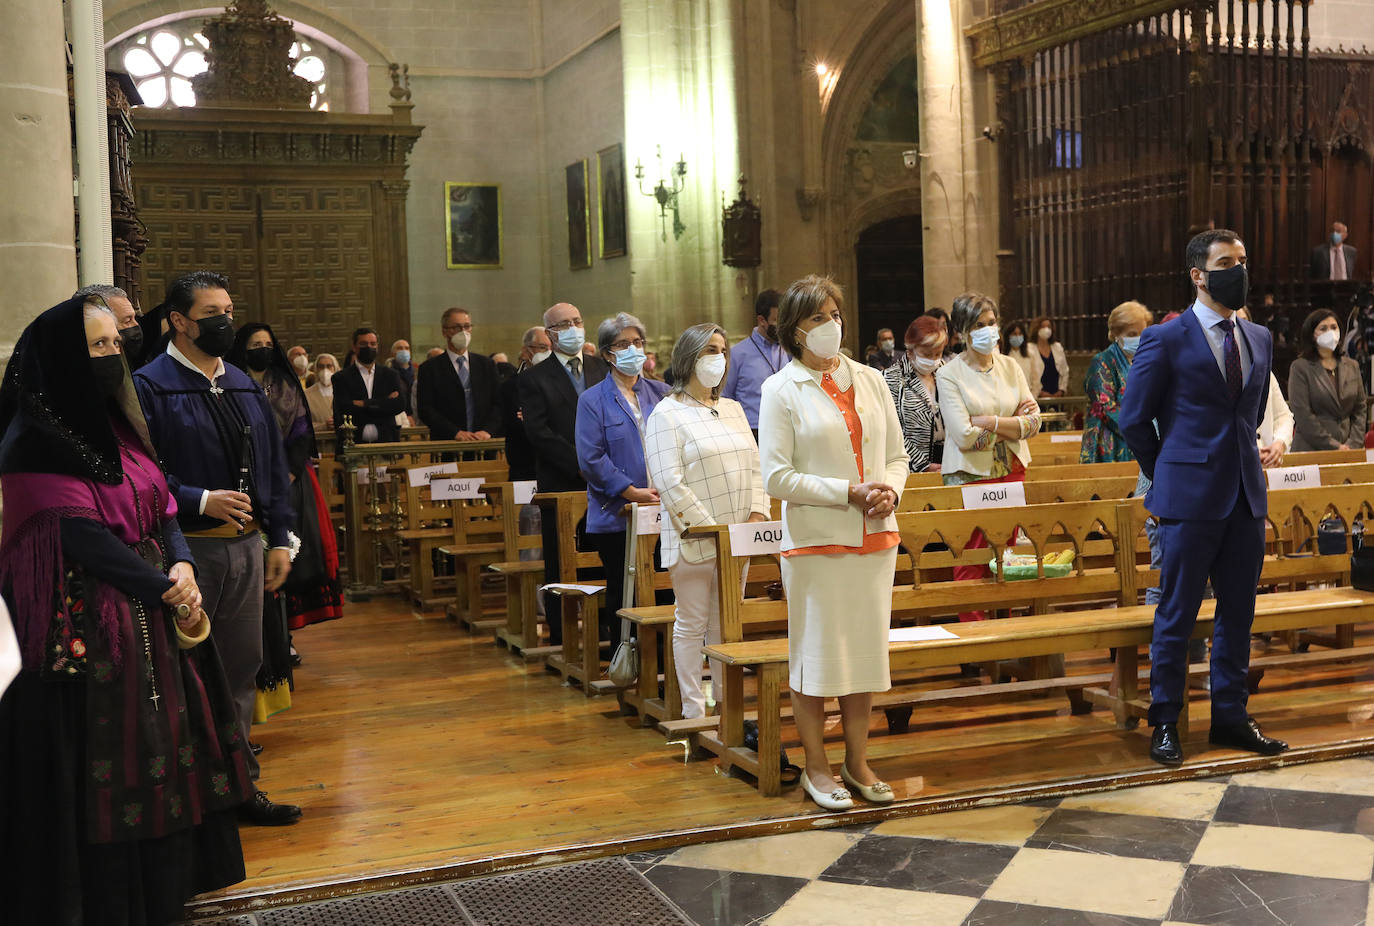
[31,561]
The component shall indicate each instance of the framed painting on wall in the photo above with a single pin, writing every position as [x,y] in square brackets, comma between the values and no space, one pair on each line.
[610,175]
[472,219]
[579,217]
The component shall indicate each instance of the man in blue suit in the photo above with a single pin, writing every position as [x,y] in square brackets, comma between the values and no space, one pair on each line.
[1195,398]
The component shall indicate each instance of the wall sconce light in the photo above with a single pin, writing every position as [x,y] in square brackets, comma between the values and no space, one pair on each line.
[663,193]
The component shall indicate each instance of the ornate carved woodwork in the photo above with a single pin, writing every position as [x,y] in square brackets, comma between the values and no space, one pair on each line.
[1117,143]
[742,231]
[249,60]
[304,211]
[126,226]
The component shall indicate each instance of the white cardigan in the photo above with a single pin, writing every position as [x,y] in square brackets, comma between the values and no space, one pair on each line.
[808,461]
[1278,418]
[966,393]
[1037,367]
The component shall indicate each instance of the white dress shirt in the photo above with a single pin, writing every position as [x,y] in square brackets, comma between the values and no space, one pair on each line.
[369,373]
[1211,327]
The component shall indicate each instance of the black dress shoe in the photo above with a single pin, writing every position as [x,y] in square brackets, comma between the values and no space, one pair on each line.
[1247,736]
[1165,746]
[262,812]
[256,748]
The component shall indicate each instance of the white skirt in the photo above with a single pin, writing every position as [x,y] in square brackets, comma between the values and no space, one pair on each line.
[839,609]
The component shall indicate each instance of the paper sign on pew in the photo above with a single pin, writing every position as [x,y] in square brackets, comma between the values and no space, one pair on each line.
[995,495]
[421,475]
[368,475]
[1066,439]
[1295,477]
[444,490]
[757,538]
[1369,456]
[917,634]
[650,519]
[524,491]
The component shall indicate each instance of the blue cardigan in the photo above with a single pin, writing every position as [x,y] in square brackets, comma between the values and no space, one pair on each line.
[610,448]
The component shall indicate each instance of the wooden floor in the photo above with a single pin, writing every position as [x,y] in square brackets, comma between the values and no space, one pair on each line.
[420,752]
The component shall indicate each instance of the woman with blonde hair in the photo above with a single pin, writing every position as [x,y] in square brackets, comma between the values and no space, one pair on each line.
[1106,384]
[831,448]
[704,463]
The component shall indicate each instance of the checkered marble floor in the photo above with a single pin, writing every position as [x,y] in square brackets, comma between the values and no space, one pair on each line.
[1289,846]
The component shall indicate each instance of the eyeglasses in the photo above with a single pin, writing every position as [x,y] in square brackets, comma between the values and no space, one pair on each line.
[565,325]
[463,327]
[635,342]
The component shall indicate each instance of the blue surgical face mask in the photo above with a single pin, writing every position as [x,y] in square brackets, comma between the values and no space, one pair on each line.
[629,361]
[1336,238]
[1016,340]
[570,340]
[403,357]
[1130,344]
[984,340]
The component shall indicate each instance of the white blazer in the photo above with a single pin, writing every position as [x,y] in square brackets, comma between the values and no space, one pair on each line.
[807,459]
[1037,366]
[966,393]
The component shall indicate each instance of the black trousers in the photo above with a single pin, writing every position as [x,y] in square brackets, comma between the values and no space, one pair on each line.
[611,549]
[548,528]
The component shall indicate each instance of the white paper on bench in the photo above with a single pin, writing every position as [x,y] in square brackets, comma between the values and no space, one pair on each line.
[1295,477]
[1369,456]
[448,489]
[524,491]
[917,634]
[421,475]
[1066,438]
[995,495]
[650,519]
[568,587]
[760,538]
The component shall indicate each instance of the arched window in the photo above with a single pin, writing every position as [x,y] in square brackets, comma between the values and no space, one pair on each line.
[163,60]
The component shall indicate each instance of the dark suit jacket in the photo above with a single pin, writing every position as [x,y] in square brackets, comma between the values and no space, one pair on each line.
[549,402]
[1326,414]
[380,410]
[439,397]
[519,451]
[1319,267]
[1203,454]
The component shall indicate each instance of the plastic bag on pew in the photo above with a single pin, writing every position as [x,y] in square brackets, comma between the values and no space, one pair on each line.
[1019,566]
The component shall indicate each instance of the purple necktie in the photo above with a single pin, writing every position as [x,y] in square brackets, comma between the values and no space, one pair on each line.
[1231,355]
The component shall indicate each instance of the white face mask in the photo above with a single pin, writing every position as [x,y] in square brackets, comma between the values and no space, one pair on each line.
[1046,333]
[539,357]
[984,340]
[926,365]
[299,362]
[460,341]
[326,377]
[1329,339]
[824,339]
[710,370]
[887,344]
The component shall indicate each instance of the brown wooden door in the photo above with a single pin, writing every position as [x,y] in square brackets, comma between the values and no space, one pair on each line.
[299,257]
[891,279]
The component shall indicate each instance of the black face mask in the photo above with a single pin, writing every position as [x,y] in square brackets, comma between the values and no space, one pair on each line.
[216,335]
[133,342]
[260,358]
[109,374]
[1229,287]
[366,355]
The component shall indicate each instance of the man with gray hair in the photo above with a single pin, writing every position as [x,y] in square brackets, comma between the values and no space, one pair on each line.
[548,399]
[126,319]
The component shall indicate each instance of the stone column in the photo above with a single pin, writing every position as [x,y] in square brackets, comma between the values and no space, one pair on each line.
[37,234]
[958,165]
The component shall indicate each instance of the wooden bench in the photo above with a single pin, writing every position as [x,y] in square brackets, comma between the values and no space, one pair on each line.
[455,528]
[578,659]
[1041,636]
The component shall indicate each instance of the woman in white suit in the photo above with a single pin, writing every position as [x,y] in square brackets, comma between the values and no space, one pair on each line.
[831,449]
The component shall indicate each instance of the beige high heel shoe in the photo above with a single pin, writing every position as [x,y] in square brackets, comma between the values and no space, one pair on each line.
[880,792]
